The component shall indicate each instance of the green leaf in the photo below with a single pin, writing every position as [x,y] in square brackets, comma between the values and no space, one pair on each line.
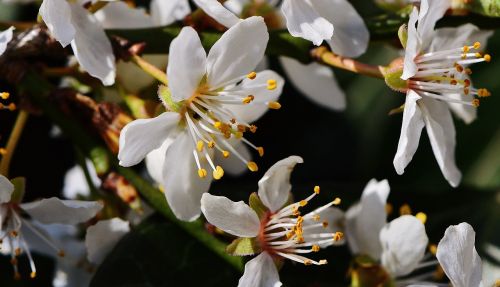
[243,247]
[257,205]
[159,253]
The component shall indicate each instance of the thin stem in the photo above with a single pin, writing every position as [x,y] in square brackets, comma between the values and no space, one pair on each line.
[322,55]
[21,120]
[150,69]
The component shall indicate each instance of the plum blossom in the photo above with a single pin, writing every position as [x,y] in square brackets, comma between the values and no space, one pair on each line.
[313,80]
[436,76]
[211,101]
[273,224]
[70,23]
[102,237]
[46,211]
[5,38]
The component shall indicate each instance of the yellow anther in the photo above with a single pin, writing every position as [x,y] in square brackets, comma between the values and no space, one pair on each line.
[274,105]
[13,233]
[453,82]
[483,93]
[295,211]
[477,45]
[476,103]
[459,68]
[242,128]
[405,209]
[3,151]
[478,55]
[12,107]
[252,166]
[337,201]
[199,146]
[464,56]
[202,173]
[303,203]
[323,262]
[261,151]
[389,208]
[422,217]
[218,125]
[317,189]
[467,83]
[316,217]
[466,91]
[338,236]
[465,49]
[497,283]
[4,95]
[238,135]
[325,224]
[433,249]
[308,262]
[211,144]
[33,274]
[468,71]
[487,58]
[300,219]
[290,234]
[218,173]
[272,84]
[225,154]
[315,248]
[253,128]
[252,75]
[248,100]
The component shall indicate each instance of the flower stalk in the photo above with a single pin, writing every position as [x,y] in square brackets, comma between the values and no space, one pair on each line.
[150,69]
[21,120]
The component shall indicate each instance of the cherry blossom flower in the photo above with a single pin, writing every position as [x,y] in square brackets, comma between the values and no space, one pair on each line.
[5,38]
[271,225]
[436,80]
[70,23]
[102,237]
[315,81]
[210,104]
[46,211]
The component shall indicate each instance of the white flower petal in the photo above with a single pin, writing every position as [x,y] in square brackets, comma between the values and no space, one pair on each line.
[91,46]
[156,158]
[303,21]
[315,81]
[186,65]
[466,113]
[260,272]
[218,12]
[233,165]
[257,87]
[365,219]
[5,38]
[430,12]
[351,36]
[413,47]
[141,136]
[237,52]
[458,256]
[449,38]
[183,186]
[274,187]
[102,237]
[404,242]
[236,6]
[54,210]
[6,189]
[119,15]
[166,12]
[57,16]
[441,132]
[411,129]
[236,218]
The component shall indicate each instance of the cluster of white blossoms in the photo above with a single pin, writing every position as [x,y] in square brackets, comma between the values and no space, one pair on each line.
[201,129]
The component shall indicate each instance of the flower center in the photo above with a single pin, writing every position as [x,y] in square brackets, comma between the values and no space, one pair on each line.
[289,235]
[214,127]
[446,72]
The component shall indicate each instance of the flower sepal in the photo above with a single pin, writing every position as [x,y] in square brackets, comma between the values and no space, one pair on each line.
[166,97]
[243,247]
[19,189]
[401,7]
[392,76]
[366,272]
[256,204]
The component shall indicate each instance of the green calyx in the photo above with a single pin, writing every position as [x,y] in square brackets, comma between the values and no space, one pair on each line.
[393,79]
[403,35]
[166,97]
[485,7]
[257,205]
[243,247]
[19,189]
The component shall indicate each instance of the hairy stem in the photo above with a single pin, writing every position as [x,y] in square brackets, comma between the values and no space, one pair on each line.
[150,69]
